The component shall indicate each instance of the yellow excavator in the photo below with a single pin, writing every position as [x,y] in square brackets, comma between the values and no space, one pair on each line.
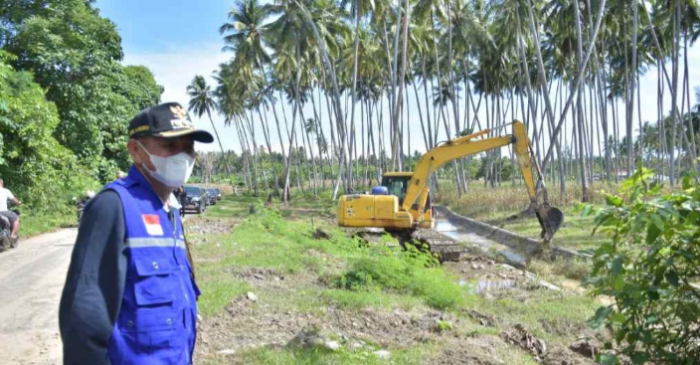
[402,203]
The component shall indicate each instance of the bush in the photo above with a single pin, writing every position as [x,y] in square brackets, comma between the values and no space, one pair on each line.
[41,173]
[406,272]
[648,268]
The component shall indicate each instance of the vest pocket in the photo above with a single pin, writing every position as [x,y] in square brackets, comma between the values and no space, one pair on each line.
[156,284]
[150,329]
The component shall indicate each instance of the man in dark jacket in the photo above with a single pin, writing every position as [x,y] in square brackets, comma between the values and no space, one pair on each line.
[130,295]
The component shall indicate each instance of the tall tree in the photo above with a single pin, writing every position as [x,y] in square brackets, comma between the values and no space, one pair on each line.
[202,102]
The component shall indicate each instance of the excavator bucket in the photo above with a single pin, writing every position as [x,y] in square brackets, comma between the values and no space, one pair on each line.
[550,219]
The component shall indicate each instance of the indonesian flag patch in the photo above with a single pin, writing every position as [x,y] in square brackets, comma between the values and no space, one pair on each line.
[152,223]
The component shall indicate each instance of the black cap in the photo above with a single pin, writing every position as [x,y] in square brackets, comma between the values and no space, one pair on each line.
[168,120]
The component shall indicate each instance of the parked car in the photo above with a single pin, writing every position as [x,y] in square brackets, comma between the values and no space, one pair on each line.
[196,199]
[218,193]
[212,196]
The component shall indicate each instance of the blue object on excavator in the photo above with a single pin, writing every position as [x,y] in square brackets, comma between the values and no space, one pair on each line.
[380,190]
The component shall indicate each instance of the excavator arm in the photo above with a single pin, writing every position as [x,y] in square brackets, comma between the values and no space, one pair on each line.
[416,194]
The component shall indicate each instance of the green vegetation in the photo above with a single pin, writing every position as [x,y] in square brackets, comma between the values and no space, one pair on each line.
[408,272]
[375,276]
[308,274]
[312,357]
[65,102]
[650,269]
[33,225]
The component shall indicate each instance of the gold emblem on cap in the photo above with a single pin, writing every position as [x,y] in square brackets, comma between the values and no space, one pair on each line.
[179,112]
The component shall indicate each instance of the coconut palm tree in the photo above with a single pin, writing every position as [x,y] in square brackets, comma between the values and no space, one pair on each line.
[201,102]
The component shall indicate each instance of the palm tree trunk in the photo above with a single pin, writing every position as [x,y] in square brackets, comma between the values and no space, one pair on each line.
[356,48]
[420,117]
[545,93]
[216,133]
[266,134]
[244,155]
[401,81]
[279,136]
[329,66]
[691,130]
[255,153]
[579,76]
[294,120]
[674,92]
[427,103]
[579,103]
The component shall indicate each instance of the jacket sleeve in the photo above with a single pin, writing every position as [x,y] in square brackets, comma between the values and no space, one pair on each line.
[94,286]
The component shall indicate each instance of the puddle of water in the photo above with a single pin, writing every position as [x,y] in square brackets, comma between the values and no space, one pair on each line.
[443,225]
[483,285]
[490,285]
[484,244]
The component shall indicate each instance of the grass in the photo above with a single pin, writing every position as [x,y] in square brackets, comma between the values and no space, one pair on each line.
[300,204]
[265,356]
[404,273]
[33,225]
[219,292]
[369,298]
[376,276]
[576,269]
[493,205]
[348,274]
[564,312]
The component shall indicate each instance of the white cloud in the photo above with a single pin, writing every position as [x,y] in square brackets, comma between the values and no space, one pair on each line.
[174,70]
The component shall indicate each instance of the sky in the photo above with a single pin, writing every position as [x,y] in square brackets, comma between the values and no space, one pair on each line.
[178,39]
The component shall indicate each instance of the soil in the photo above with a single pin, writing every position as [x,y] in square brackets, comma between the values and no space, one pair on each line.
[206,226]
[248,324]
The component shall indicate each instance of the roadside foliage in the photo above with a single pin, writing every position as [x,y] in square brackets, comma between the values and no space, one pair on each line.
[65,101]
[650,270]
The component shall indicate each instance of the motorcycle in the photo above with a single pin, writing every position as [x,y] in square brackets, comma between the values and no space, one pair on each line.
[81,203]
[6,241]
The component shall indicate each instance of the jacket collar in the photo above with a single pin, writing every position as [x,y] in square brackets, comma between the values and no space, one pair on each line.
[135,177]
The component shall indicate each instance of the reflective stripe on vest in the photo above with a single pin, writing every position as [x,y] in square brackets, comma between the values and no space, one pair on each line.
[154,242]
[158,314]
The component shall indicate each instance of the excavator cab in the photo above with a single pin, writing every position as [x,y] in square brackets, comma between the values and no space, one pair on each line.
[397,184]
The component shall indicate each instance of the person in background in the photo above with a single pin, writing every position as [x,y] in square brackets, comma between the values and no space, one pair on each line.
[130,295]
[181,196]
[5,196]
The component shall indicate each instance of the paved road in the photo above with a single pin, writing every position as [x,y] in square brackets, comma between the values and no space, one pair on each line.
[31,280]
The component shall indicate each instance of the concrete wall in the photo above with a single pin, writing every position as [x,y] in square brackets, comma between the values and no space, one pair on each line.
[515,241]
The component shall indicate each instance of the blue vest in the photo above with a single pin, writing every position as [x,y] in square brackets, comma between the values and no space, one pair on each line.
[156,323]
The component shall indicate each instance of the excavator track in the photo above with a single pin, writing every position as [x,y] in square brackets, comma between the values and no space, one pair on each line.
[445,247]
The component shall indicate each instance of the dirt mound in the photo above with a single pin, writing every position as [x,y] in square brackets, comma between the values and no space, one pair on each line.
[483,319]
[206,226]
[521,337]
[562,356]
[263,278]
[482,350]
[585,347]
[248,324]
[561,327]
[398,327]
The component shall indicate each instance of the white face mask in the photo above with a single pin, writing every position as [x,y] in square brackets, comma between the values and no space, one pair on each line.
[172,171]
